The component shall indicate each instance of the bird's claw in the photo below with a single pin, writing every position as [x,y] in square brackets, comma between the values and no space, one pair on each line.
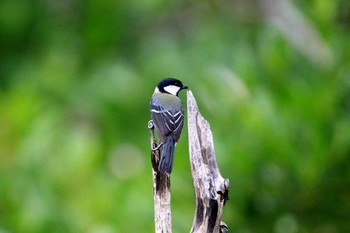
[150,124]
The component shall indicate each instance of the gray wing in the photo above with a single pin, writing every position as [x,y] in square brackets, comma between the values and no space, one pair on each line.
[166,121]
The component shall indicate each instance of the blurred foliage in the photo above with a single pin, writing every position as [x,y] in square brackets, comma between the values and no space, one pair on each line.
[76,78]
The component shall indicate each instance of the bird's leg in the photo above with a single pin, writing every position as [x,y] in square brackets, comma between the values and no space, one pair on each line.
[157,147]
[151,127]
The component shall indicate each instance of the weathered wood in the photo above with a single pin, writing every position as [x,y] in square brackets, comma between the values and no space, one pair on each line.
[211,189]
[161,189]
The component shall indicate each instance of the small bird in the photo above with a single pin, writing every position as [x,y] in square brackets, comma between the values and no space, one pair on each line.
[168,118]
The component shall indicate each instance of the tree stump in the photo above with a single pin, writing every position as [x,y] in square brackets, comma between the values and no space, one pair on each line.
[211,188]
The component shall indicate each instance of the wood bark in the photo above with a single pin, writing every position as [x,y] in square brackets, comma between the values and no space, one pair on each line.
[211,189]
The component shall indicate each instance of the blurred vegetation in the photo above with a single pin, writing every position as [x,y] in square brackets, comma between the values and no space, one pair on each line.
[76,78]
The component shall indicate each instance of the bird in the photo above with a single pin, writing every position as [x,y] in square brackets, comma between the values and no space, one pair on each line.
[167,115]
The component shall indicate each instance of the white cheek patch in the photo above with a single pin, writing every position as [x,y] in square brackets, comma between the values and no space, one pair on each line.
[172,89]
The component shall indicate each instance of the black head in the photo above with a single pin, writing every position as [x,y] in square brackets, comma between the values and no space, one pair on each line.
[171,86]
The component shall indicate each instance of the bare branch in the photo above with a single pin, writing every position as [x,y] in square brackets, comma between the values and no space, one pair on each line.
[161,189]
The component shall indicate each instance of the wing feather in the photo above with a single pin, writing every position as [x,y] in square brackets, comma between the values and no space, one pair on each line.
[167,122]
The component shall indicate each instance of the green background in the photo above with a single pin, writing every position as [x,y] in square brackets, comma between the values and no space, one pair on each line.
[271,77]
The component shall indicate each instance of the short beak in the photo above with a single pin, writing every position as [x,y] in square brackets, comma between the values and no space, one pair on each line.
[184,87]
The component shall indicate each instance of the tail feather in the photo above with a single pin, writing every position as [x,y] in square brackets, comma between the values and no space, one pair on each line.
[167,158]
